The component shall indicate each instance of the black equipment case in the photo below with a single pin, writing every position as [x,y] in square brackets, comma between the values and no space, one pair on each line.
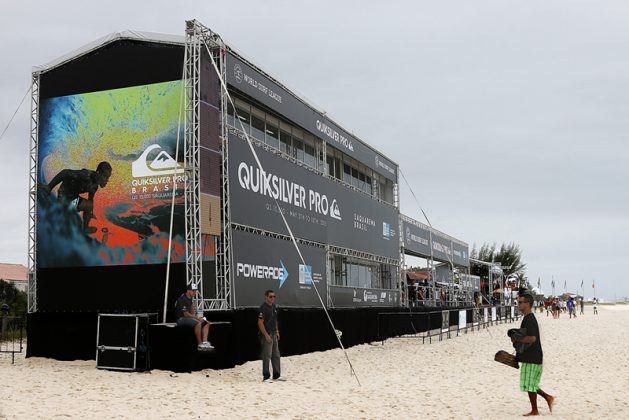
[122,341]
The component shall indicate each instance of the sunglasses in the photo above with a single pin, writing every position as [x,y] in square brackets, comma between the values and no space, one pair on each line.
[271,296]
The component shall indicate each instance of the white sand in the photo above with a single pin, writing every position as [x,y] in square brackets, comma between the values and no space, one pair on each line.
[586,365]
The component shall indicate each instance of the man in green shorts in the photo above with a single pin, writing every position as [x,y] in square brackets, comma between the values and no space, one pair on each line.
[531,358]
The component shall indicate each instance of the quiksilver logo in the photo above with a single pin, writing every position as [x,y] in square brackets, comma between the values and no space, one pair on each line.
[162,164]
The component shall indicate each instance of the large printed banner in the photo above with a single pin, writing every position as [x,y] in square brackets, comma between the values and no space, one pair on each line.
[246,79]
[426,242]
[315,207]
[262,263]
[106,173]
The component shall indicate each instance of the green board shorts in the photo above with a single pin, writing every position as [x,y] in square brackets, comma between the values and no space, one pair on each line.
[530,375]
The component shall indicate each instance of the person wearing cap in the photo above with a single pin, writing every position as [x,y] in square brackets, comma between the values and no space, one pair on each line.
[185,316]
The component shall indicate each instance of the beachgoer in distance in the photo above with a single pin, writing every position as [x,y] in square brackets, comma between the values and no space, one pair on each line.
[80,181]
[185,316]
[571,307]
[531,359]
[581,307]
[269,335]
[595,306]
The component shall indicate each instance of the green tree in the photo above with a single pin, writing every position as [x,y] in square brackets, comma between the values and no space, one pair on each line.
[508,256]
[13,297]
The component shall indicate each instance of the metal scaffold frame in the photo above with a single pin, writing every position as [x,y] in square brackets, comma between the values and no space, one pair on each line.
[200,39]
[192,83]
[224,291]
[32,197]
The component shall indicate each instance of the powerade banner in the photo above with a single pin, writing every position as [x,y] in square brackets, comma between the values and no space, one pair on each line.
[251,82]
[262,262]
[315,207]
[106,166]
[343,297]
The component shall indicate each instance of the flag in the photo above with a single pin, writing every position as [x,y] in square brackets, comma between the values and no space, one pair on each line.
[553,283]
[539,283]
[592,283]
[581,284]
[564,284]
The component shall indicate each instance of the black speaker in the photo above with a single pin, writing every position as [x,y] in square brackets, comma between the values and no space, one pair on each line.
[122,341]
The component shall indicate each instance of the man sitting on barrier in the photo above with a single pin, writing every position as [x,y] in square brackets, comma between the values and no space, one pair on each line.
[185,315]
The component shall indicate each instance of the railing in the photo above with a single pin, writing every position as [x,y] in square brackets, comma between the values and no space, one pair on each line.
[442,323]
[11,335]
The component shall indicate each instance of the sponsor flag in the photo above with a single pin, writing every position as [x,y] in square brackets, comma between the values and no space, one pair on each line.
[581,284]
[592,283]
[565,286]
[539,283]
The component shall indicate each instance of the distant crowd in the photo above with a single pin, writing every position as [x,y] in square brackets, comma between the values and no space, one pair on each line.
[555,306]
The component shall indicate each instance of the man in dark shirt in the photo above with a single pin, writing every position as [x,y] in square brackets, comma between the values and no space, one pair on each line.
[531,359]
[75,182]
[185,316]
[269,334]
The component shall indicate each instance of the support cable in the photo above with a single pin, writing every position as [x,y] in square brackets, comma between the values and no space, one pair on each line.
[426,217]
[293,239]
[174,193]
[16,111]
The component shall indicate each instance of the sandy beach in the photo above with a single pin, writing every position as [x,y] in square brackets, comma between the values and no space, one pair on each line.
[586,365]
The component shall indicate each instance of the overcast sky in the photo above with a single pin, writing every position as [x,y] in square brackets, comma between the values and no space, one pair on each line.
[509,119]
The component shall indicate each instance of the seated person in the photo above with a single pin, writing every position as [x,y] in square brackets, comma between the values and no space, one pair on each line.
[185,316]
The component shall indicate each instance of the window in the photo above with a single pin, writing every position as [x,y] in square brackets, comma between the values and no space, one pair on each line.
[257,127]
[230,115]
[244,118]
[298,149]
[272,132]
[285,146]
[340,275]
[355,178]
[347,174]
[309,155]
[361,181]
[329,166]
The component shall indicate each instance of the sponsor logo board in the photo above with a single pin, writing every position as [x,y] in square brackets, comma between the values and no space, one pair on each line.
[316,208]
[264,262]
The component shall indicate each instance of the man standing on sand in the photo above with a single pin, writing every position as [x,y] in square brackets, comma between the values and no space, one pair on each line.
[531,359]
[269,334]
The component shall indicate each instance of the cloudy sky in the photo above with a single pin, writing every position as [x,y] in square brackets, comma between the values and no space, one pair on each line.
[509,119]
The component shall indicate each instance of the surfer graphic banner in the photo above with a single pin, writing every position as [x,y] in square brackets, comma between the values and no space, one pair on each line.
[86,218]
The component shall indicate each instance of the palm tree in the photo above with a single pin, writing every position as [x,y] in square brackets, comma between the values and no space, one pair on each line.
[509,257]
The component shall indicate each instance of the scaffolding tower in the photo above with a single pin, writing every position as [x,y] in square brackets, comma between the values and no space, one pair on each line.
[200,42]
[32,197]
